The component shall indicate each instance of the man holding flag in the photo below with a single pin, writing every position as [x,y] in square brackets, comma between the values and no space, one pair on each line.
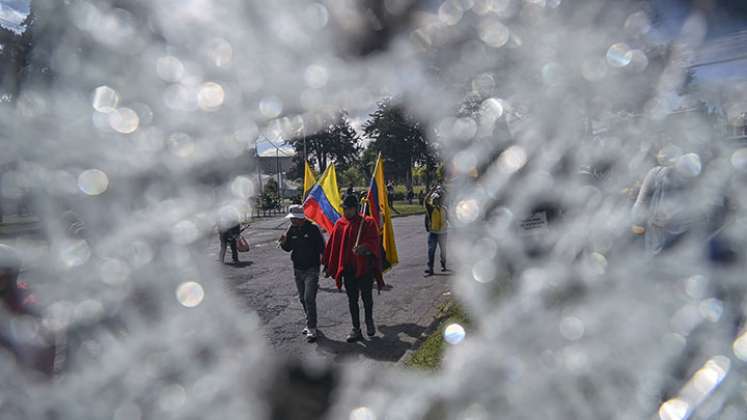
[353,257]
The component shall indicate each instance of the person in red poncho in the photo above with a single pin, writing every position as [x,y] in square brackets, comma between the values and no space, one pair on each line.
[355,266]
[22,334]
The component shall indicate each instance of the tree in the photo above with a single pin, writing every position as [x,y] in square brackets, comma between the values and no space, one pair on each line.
[14,57]
[401,140]
[270,198]
[352,175]
[336,142]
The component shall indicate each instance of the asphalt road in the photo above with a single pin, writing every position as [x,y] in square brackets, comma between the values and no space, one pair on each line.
[263,282]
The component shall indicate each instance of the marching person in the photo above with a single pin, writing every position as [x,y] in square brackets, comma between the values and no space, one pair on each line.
[22,333]
[663,213]
[352,257]
[435,225]
[306,244]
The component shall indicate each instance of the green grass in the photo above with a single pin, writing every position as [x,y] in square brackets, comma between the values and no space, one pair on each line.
[431,352]
[402,189]
[408,209]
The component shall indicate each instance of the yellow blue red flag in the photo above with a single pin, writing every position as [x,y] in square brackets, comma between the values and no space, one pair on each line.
[323,205]
[378,208]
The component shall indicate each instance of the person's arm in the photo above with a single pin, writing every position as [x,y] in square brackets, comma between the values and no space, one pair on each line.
[285,243]
[326,256]
[427,196]
[369,241]
[643,201]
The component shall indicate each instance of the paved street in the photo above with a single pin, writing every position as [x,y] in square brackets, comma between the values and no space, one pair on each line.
[264,282]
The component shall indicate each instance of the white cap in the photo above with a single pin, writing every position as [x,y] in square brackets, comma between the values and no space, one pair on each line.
[295,212]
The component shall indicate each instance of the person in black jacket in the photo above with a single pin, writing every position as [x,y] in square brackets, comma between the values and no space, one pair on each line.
[306,244]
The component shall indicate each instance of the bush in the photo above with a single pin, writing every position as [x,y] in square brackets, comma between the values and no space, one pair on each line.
[400,192]
[270,199]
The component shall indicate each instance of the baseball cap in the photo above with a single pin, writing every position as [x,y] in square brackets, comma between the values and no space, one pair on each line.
[295,212]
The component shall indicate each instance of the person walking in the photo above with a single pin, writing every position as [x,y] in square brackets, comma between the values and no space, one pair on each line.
[390,195]
[352,257]
[228,235]
[435,225]
[306,244]
[663,212]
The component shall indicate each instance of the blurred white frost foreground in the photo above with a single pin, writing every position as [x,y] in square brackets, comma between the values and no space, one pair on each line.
[134,113]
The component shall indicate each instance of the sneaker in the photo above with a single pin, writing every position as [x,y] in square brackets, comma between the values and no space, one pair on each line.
[443,268]
[371,329]
[305,331]
[311,336]
[355,335]
[428,272]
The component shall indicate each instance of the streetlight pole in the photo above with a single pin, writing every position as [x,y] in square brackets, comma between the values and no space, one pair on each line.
[305,156]
[277,167]
[259,169]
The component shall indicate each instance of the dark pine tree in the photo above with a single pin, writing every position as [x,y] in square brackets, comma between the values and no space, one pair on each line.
[337,142]
[401,140]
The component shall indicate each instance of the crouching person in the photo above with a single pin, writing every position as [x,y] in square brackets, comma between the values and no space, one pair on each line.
[305,243]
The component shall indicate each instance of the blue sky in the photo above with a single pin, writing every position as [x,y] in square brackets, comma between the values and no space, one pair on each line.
[722,21]
[13,12]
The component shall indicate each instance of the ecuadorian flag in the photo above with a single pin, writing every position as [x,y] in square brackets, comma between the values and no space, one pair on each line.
[323,205]
[308,178]
[378,208]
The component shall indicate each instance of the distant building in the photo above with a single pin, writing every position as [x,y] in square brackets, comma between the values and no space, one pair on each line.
[271,165]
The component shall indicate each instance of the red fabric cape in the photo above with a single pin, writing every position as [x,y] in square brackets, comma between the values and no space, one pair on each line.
[341,241]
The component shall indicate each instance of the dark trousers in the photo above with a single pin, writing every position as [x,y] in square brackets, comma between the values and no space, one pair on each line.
[307,283]
[436,240]
[359,288]
[228,240]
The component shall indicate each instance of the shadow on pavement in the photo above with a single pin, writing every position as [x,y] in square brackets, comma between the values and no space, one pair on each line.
[387,346]
[240,264]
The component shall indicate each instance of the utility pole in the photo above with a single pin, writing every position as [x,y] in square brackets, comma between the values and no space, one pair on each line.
[259,170]
[277,167]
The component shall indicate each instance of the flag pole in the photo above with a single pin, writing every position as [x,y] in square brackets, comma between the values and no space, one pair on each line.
[363,219]
[365,203]
[305,168]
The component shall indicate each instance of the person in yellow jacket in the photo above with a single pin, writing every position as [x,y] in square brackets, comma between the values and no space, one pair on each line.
[435,224]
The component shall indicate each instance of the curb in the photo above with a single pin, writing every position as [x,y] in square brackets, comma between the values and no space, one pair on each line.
[395,216]
[429,331]
[19,229]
